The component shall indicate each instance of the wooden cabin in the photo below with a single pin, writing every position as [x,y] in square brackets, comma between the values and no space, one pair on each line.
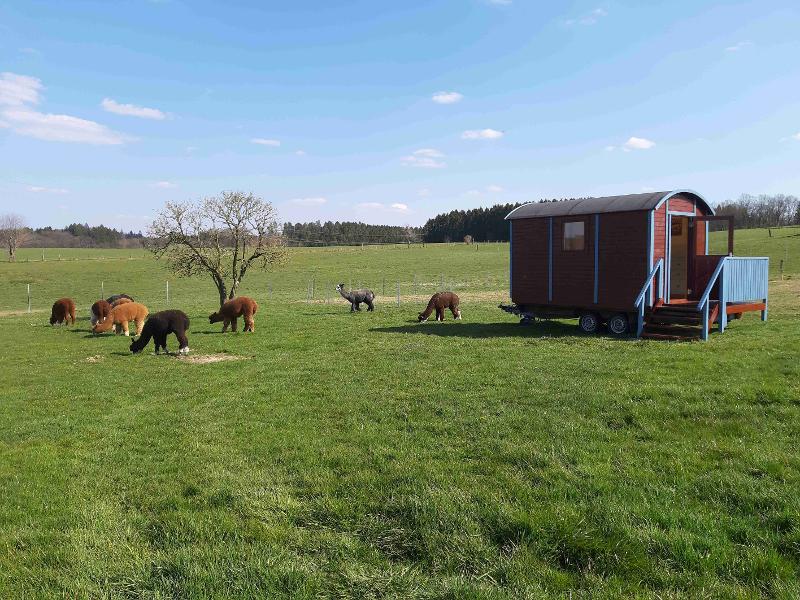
[636,263]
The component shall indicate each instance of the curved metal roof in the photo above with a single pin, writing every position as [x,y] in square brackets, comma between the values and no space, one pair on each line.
[607,204]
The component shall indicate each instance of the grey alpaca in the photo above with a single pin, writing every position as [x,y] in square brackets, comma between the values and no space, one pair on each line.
[356,297]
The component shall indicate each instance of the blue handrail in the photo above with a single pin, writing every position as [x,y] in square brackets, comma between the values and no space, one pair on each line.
[658,269]
[702,304]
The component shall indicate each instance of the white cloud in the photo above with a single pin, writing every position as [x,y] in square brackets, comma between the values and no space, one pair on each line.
[482,134]
[425,158]
[494,189]
[19,92]
[317,201]
[300,152]
[399,206]
[265,142]
[738,46]
[472,193]
[447,97]
[131,110]
[610,148]
[39,189]
[636,143]
[796,136]
[164,185]
[589,18]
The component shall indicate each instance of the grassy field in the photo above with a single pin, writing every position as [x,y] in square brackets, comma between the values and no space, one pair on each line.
[369,456]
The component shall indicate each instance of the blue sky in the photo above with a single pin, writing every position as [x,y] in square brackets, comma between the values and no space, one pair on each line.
[390,112]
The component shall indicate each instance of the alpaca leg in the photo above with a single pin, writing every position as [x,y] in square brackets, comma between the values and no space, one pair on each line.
[370,306]
[139,327]
[125,328]
[352,307]
[183,342]
[225,324]
[235,324]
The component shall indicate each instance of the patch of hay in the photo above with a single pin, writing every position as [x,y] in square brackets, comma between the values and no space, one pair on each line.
[94,359]
[204,359]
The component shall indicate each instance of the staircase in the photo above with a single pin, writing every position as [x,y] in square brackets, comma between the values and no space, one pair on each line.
[680,322]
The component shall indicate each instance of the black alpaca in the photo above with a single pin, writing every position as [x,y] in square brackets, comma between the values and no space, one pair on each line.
[159,326]
[116,297]
[356,297]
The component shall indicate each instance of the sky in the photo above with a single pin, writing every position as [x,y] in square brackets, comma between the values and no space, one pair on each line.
[390,112]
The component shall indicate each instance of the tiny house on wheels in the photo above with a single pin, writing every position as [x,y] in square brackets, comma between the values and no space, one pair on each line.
[638,263]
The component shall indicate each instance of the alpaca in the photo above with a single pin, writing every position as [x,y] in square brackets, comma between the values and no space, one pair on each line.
[439,302]
[159,326]
[355,298]
[232,310]
[123,300]
[115,297]
[63,312]
[120,315]
[100,310]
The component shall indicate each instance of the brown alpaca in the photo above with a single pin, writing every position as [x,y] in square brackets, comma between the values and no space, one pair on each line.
[100,310]
[119,317]
[439,302]
[232,310]
[63,311]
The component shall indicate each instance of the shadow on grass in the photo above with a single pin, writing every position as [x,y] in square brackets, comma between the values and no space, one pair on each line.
[486,330]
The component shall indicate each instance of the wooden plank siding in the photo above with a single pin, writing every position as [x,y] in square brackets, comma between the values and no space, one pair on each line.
[623,258]
[529,261]
[573,270]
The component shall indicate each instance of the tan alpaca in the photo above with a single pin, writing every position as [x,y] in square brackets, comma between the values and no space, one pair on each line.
[120,316]
[232,310]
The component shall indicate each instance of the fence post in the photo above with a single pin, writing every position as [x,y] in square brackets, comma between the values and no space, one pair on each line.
[102,289]
[29,297]
[42,255]
[398,294]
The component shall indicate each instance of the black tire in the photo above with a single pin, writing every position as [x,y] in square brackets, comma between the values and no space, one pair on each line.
[589,322]
[618,325]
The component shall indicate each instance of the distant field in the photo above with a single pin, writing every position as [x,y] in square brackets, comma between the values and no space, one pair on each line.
[369,456]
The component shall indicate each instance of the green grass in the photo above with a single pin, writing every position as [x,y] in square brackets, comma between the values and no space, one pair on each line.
[369,456]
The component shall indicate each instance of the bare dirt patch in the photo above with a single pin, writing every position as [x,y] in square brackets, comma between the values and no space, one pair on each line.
[204,359]
[94,359]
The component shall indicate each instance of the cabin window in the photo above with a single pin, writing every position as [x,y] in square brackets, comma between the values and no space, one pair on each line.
[574,236]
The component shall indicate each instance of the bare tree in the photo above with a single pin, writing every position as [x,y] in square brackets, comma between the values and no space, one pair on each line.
[222,237]
[13,232]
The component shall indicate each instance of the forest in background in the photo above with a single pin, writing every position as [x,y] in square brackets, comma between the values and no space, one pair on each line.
[473,225]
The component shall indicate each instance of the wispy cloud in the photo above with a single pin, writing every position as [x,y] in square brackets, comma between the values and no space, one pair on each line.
[495,189]
[637,143]
[482,134]
[265,142]
[425,158]
[796,136]
[397,207]
[738,46]
[447,97]
[40,189]
[316,201]
[131,110]
[164,185]
[300,152]
[589,18]
[20,93]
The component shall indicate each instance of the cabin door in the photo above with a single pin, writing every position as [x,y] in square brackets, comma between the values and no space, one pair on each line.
[679,253]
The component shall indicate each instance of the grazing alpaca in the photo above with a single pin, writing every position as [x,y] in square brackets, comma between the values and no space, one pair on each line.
[356,297]
[439,302]
[123,300]
[159,326]
[119,317]
[63,311]
[100,311]
[115,297]
[232,310]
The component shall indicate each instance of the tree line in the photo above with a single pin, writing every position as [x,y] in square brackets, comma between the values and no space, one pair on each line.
[347,233]
[779,210]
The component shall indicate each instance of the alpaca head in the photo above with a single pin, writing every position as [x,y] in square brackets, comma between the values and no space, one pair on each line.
[339,287]
[53,319]
[215,317]
[421,317]
[137,346]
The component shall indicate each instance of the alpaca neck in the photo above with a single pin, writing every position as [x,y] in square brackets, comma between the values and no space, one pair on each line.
[346,295]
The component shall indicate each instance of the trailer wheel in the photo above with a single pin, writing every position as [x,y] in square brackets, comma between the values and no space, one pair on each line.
[618,324]
[589,322]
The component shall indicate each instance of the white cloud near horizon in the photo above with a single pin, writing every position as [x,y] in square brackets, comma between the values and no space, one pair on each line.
[40,189]
[482,134]
[20,93]
[164,185]
[589,18]
[266,142]
[447,97]
[637,143]
[397,207]
[739,46]
[131,110]
[316,201]
[425,158]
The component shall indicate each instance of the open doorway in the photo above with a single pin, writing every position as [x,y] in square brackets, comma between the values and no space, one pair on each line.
[679,257]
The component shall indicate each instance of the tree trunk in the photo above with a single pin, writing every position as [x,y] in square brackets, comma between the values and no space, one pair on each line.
[223,293]
[12,253]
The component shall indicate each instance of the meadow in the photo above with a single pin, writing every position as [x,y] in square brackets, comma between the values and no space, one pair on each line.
[369,456]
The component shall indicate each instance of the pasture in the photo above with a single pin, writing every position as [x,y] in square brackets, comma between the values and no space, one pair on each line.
[368,456]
